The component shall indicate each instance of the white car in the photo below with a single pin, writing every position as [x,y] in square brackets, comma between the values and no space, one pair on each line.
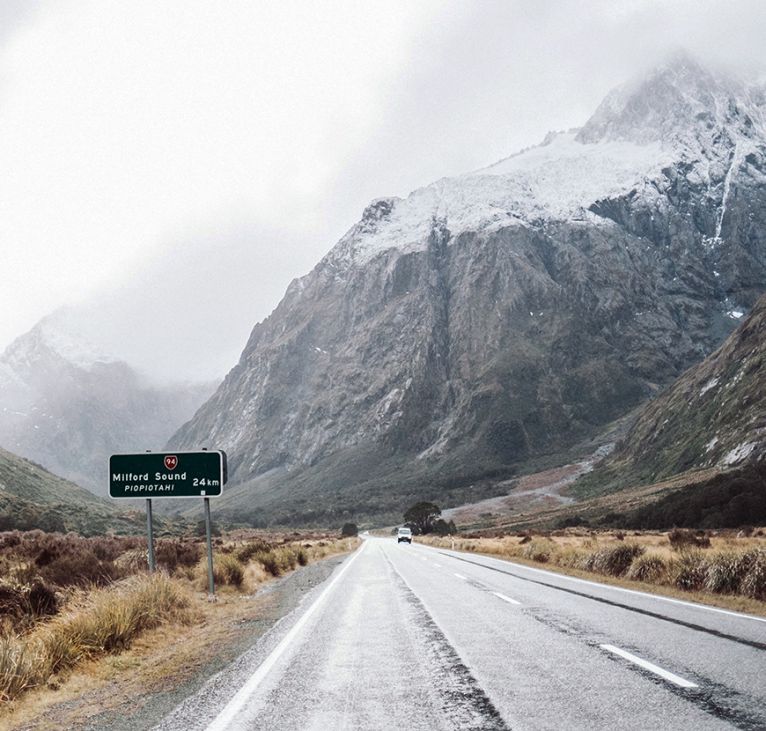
[404,534]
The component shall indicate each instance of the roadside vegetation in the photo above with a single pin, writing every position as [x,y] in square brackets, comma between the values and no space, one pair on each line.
[65,599]
[705,562]
[423,518]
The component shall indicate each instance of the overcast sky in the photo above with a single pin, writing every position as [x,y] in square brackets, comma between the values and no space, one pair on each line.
[169,167]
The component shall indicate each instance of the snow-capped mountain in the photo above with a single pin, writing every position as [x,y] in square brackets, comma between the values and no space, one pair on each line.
[67,405]
[493,318]
[680,113]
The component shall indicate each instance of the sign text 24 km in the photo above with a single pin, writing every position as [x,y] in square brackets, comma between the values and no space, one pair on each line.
[175,474]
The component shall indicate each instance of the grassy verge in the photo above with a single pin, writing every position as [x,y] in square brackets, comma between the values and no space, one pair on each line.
[67,602]
[103,621]
[722,570]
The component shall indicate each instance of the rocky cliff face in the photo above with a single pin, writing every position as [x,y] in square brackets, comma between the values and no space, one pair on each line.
[67,406]
[714,415]
[505,314]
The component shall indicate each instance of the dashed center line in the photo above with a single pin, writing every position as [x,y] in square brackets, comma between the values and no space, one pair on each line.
[651,667]
[460,576]
[438,565]
[505,598]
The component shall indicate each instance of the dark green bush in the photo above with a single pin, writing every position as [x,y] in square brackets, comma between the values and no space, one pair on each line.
[727,500]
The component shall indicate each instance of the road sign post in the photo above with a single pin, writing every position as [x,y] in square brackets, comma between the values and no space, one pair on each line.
[169,475]
[209,533]
[150,535]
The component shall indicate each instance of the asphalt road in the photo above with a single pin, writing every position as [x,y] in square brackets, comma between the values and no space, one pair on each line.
[411,637]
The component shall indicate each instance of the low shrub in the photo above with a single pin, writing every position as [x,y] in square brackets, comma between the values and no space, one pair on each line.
[228,570]
[615,560]
[246,552]
[349,530]
[82,569]
[754,581]
[171,554]
[690,571]
[538,550]
[725,572]
[42,599]
[649,568]
[681,538]
[13,602]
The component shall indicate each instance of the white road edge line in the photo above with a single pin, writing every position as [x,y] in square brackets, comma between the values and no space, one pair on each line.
[707,607]
[234,706]
[460,576]
[505,598]
[656,669]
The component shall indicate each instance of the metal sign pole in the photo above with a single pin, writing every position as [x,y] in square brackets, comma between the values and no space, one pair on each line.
[150,534]
[208,530]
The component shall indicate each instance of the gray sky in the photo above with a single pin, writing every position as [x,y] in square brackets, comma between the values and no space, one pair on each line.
[169,167]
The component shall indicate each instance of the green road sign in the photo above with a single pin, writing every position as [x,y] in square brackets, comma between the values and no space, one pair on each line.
[168,474]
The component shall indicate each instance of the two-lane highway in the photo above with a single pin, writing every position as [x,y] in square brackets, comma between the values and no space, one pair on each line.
[418,638]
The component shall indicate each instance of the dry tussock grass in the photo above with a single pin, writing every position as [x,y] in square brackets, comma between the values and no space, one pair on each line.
[687,560]
[99,622]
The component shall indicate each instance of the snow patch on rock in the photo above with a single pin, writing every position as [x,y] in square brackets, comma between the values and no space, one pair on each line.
[712,383]
[556,180]
[738,454]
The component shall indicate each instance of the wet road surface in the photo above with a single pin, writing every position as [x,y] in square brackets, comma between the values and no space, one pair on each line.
[413,637]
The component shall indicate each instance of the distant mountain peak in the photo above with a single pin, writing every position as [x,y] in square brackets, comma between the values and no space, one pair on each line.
[679,112]
[55,336]
[678,101]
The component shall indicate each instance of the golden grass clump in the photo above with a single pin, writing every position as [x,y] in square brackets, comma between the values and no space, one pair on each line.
[21,660]
[539,549]
[649,568]
[104,621]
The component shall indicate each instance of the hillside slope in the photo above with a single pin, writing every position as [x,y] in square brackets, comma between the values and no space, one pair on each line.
[31,497]
[714,415]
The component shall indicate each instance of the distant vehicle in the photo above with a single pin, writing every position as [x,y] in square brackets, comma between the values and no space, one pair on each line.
[404,534]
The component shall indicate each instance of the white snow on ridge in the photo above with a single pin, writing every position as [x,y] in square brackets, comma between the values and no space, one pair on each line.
[56,333]
[558,180]
[677,112]
[712,383]
[738,454]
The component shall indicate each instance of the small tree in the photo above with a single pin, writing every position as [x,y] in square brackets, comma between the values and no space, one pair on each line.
[349,529]
[421,516]
[443,528]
